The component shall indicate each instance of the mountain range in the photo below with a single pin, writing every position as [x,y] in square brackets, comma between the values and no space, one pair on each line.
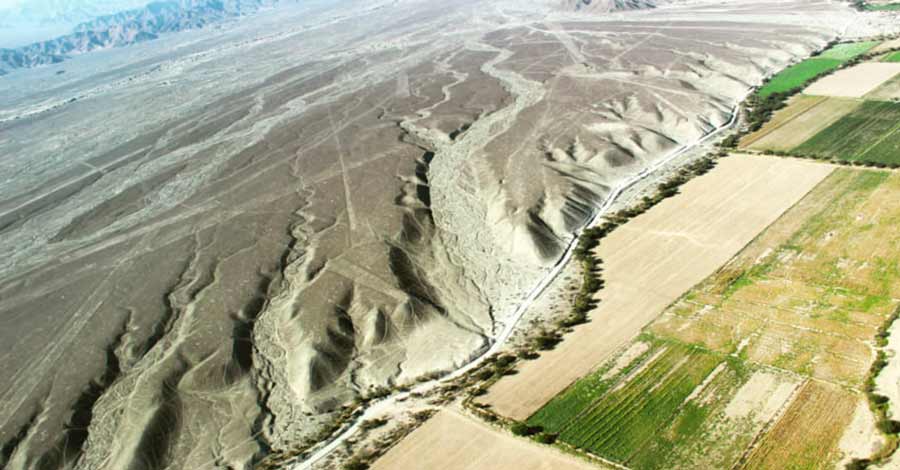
[126,28]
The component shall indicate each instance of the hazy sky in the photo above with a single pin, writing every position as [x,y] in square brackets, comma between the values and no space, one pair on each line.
[7,4]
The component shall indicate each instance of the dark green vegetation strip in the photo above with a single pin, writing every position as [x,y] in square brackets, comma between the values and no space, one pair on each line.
[885,7]
[870,134]
[798,75]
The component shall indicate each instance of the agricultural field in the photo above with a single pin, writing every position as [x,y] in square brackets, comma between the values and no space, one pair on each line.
[761,365]
[852,115]
[798,75]
[446,441]
[870,133]
[886,46]
[848,51]
[820,413]
[648,265]
[803,118]
[887,92]
[854,82]
[883,7]
[892,57]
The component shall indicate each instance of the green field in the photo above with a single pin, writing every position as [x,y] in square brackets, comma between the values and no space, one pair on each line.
[643,413]
[558,413]
[844,52]
[894,57]
[798,75]
[885,7]
[871,133]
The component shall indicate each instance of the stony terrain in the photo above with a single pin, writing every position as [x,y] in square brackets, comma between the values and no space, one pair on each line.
[242,229]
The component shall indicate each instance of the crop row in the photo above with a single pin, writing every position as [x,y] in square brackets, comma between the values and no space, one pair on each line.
[563,409]
[870,133]
[624,420]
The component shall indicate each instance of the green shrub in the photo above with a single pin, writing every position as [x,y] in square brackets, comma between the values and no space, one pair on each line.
[522,429]
[546,341]
[889,426]
[859,464]
[356,464]
[877,399]
[527,354]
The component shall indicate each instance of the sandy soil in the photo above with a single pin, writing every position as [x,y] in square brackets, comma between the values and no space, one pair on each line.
[888,91]
[861,438]
[761,397]
[633,352]
[798,122]
[886,46]
[888,381]
[854,82]
[452,441]
[652,260]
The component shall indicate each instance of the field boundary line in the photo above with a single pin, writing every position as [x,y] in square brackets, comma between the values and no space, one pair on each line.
[764,431]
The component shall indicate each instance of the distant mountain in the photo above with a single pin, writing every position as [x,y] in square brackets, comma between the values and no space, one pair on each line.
[125,28]
[608,5]
[23,22]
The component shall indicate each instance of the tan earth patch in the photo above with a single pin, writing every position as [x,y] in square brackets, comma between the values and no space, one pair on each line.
[452,441]
[856,81]
[888,381]
[861,439]
[761,397]
[798,122]
[890,90]
[652,260]
[633,352]
[886,46]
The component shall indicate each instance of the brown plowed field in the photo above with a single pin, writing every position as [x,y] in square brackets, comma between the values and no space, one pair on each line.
[451,441]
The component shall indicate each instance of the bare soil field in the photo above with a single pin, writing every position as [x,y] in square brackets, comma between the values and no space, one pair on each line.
[854,82]
[802,119]
[886,46]
[654,259]
[452,441]
[888,91]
